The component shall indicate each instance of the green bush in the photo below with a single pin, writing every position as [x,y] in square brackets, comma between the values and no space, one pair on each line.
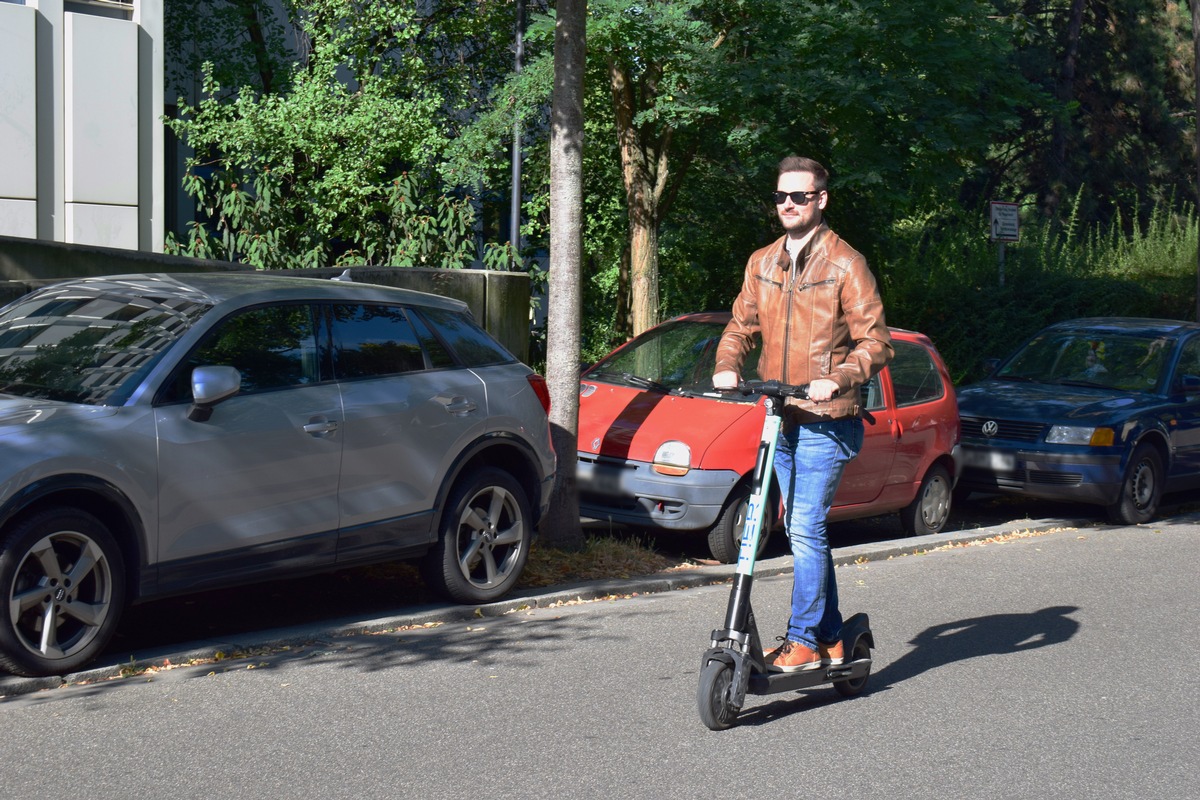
[943,279]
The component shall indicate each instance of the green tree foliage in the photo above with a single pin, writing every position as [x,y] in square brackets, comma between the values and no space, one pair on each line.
[656,61]
[944,278]
[1121,123]
[1078,110]
[242,39]
[652,88]
[335,164]
[901,102]
[691,105]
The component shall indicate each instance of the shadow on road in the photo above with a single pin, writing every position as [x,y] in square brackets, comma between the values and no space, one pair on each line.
[995,634]
[939,645]
[520,644]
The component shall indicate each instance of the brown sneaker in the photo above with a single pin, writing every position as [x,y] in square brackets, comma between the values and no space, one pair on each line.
[793,657]
[832,654]
[774,651]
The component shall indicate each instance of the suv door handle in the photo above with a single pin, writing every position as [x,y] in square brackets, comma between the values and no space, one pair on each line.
[320,427]
[457,405]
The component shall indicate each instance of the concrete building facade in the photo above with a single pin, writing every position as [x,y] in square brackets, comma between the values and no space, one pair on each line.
[86,187]
[81,137]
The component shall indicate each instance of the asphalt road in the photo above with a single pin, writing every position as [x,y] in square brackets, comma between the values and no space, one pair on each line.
[296,610]
[1053,665]
[247,612]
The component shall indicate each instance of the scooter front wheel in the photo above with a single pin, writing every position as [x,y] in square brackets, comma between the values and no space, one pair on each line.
[713,696]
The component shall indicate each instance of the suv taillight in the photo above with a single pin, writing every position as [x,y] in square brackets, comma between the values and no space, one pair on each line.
[540,389]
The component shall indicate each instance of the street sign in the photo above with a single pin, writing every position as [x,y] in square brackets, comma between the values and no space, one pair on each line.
[1005,222]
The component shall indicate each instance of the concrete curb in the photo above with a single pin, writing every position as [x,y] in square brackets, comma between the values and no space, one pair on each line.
[328,630]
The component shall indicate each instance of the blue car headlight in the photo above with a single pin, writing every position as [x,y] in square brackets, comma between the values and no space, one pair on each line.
[1073,434]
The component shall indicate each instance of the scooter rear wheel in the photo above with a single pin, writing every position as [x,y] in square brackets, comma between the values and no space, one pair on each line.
[855,686]
[713,696]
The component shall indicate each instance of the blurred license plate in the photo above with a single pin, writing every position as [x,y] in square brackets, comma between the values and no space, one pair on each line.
[995,460]
[605,480]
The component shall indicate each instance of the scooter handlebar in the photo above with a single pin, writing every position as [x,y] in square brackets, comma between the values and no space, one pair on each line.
[773,388]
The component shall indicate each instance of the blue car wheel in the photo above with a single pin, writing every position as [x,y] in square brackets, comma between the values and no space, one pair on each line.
[1142,488]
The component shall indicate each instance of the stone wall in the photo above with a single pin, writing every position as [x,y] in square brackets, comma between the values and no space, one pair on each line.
[499,300]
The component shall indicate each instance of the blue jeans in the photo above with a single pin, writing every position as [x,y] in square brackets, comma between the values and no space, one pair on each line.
[809,461]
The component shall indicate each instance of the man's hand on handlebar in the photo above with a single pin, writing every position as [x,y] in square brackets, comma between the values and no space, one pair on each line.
[725,379]
[821,390]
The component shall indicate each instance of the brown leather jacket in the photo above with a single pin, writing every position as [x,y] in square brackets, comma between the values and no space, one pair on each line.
[822,320]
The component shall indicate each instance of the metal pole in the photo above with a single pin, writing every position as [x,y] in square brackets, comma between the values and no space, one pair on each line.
[514,210]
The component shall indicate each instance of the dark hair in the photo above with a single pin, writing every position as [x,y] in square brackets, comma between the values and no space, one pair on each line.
[802,164]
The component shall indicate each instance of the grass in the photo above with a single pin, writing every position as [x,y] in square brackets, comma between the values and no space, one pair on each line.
[602,557]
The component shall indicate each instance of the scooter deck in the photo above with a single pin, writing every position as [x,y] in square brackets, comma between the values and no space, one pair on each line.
[774,682]
[854,628]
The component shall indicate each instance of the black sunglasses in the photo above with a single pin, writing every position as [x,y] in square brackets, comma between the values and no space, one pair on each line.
[799,198]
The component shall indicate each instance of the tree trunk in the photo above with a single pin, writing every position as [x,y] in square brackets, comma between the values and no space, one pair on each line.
[643,269]
[561,527]
[249,11]
[644,171]
[624,322]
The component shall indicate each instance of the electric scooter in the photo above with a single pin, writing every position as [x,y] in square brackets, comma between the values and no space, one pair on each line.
[734,665]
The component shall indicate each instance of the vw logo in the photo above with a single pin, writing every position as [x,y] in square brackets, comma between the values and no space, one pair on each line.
[990,428]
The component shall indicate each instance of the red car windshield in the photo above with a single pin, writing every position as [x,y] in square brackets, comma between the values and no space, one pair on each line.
[676,356]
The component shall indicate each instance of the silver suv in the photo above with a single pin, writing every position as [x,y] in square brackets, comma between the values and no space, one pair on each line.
[164,434]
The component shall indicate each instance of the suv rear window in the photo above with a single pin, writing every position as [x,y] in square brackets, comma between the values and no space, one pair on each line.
[373,340]
[471,343]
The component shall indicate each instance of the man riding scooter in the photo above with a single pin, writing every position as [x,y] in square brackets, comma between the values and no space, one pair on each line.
[818,309]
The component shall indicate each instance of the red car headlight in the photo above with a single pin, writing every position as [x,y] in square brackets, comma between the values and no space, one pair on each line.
[672,458]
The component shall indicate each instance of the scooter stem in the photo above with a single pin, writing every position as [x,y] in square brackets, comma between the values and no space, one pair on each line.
[738,612]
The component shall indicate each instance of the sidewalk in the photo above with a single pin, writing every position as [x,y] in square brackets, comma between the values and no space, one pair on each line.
[112,666]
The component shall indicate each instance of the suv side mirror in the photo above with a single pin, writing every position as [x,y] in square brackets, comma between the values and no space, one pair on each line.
[210,386]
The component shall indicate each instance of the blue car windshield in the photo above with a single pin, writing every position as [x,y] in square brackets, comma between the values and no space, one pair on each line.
[1101,360]
[87,346]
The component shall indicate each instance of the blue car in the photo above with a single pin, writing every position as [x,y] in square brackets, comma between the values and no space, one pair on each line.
[1103,411]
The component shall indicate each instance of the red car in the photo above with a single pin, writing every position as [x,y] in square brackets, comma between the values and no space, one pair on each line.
[658,448]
